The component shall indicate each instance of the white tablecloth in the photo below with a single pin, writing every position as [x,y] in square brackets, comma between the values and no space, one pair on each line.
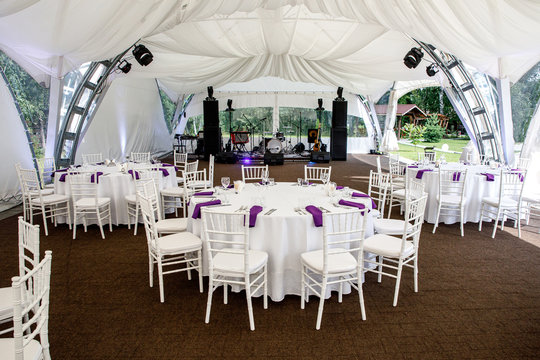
[284,234]
[115,185]
[476,188]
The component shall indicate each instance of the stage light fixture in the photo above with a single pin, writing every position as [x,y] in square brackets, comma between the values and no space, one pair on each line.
[432,69]
[413,58]
[229,105]
[142,55]
[320,108]
[340,94]
[124,66]
[210,91]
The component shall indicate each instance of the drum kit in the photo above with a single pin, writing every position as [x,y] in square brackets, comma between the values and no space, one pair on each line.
[278,144]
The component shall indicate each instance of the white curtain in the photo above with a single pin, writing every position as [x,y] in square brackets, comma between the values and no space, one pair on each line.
[130,118]
[13,145]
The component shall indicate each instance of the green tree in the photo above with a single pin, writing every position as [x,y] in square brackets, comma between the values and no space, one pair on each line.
[429,100]
[433,132]
[413,132]
[525,95]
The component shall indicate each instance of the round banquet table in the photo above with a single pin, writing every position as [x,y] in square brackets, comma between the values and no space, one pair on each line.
[476,188]
[114,184]
[284,234]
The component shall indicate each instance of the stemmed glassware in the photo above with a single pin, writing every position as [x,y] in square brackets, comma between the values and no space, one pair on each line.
[225,181]
[324,178]
[264,177]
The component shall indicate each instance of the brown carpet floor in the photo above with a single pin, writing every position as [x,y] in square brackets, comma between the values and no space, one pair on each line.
[479,298]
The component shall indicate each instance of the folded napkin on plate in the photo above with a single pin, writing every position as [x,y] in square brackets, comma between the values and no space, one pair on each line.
[489,177]
[59,171]
[253,212]
[204,193]
[317,214]
[421,172]
[456,175]
[373,204]
[97,175]
[352,203]
[197,210]
[164,171]
[132,172]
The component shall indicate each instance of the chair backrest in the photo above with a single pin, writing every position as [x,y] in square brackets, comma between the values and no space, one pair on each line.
[397,169]
[414,218]
[137,157]
[31,185]
[31,307]
[378,187]
[343,233]
[46,167]
[429,156]
[92,158]
[191,167]
[211,161]
[193,181]
[28,246]
[149,220]
[452,183]
[253,172]
[180,160]
[317,173]
[147,187]
[393,158]
[81,185]
[522,163]
[414,188]
[226,233]
[512,184]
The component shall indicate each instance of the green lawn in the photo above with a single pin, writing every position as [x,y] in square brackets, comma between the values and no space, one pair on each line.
[410,151]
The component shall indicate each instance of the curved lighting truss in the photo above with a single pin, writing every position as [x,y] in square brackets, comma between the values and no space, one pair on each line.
[469,102]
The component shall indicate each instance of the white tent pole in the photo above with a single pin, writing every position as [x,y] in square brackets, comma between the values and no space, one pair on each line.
[389,142]
[55,102]
[275,115]
[505,119]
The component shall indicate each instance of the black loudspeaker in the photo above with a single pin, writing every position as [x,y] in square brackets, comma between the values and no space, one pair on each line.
[338,144]
[339,114]
[212,132]
[273,159]
[226,158]
[312,135]
[320,157]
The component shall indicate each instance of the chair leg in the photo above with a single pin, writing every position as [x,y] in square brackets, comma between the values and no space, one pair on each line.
[225,294]
[100,223]
[496,222]
[110,217]
[160,275]
[321,303]
[265,296]
[415,273]
[340,294]
[74,223]
[199,269]
[390,205]
[129,215]
[461,211]
[249,304]
[481,217]
[398,281]
[68,215]
[209,301]
[303,291]
[151,269]
[44,214]
[437,220]
[136,218]
[379,276]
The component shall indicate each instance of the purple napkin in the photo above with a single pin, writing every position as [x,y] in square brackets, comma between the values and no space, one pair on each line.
[489,177]
[165,164]
[352,203]
[60,170]
[373,205]
[164,171]
[339,187]
[197,211]
[520,174]
[63,177]
[456,176]
[230,186]
[97,175]
[253,212]
[317,214]
[204,193]
[413,166]
[136,176]
[421,172]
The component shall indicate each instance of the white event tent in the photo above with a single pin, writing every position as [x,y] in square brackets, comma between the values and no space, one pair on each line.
[301,49]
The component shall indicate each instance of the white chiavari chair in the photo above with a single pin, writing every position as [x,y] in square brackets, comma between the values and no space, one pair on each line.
[30,295]
[338,261]
[451,195]
[140,157]
[140,177]
[46,167]
[231,261]
[92,159]
[317,173]
[180,161]
[181,251]
[253,173]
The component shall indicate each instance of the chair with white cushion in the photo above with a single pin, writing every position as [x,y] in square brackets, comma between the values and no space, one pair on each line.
[338,261]
[28,259]
[180,161]
[92,159]
[26,206]
[46,167]
[203,181]
[132,205]
[49,206]
[178,196]
[395,252]
[413,187]
[377,190]
[140,157]
[30,294]
[189,167]
[317,173]
[253,173]
[451,196]
[231,261]
[426,156]
[508,203]
[397,175]
[86,202]
[177,252]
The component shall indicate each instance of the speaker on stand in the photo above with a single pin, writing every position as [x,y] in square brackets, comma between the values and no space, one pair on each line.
[338,134]
[212,132]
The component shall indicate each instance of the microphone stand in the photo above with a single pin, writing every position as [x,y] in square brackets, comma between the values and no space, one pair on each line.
[251,127]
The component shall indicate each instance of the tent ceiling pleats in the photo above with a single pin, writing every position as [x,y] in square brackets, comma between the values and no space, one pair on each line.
[358,44]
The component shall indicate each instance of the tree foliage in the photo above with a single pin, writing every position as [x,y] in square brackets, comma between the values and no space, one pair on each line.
[33,101]
[429,100]
[525,95]
[413,132]
[168,109]
[433,132]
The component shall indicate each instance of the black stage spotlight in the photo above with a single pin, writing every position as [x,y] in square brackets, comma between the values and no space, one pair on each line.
[124,66]
[339,94]
[431,70]
[229,105]
[320,108]
[142,55]
[413,58]
[210,91]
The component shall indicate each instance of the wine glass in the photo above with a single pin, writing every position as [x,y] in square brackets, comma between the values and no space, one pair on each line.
[225,181]
[325,178]
[264,177]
